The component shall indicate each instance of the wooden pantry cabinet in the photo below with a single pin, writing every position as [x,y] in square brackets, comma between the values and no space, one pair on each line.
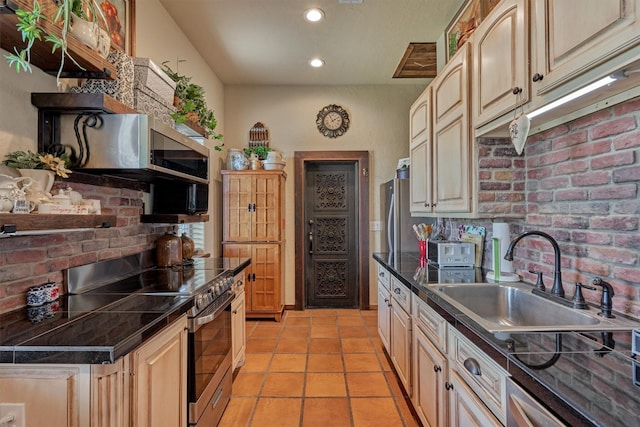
[253,226]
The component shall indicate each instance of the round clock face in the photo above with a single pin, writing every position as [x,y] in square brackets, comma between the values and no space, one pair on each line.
[332,121]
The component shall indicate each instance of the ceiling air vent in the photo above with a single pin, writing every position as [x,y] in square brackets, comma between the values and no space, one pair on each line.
[350,1]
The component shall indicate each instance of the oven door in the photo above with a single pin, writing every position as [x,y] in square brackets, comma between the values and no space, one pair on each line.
[209,358]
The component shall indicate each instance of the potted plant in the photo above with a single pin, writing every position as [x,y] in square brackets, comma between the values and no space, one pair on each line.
[31,30]
[41,168]
[191,105]
[259,150]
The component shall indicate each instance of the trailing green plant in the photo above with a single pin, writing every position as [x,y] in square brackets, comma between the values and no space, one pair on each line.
[192,105]
[29,27]
[259,150]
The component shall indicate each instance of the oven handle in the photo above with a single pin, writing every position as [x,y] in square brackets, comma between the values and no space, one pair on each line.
[203,319]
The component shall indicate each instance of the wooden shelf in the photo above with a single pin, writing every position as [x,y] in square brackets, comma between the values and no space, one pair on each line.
[64,102]
[34,221]
[93,65]
[173,218]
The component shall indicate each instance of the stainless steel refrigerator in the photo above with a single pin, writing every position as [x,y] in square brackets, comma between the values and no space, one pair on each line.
[397,227]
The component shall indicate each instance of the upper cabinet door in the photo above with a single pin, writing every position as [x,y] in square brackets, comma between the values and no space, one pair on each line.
[574,36]
[500,61]
[452,167]
[420,153]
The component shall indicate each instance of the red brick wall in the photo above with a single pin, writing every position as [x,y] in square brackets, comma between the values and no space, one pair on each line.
[581,186]
[27,261]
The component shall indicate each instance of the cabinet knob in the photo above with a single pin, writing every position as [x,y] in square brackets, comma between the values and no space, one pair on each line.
[426,204]
[516,90]
[437,368]
[537,77]
[433,205]
[235,311]
[472,366]
[448,386]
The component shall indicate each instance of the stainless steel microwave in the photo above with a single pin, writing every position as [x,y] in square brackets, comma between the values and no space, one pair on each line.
[135,146]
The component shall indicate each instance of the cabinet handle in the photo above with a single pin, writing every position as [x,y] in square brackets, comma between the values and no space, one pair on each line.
[235,311]
[433,205]
[437,368]
[448,385]
[249,207]
[254,207]
[516,90]
[426,204]
[386,300]
[396,291]
[537,77]
[253,277]
[472,366]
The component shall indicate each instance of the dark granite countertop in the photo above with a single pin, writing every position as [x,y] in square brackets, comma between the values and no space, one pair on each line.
[585,383]
[94,328]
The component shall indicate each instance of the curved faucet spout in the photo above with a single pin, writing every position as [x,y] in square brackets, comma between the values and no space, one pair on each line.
[557,288]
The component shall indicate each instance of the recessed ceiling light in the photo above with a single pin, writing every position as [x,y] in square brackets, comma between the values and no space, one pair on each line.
[316,62]
[313,15]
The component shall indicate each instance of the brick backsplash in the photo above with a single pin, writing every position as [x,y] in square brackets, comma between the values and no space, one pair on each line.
[579,183]
[31,260]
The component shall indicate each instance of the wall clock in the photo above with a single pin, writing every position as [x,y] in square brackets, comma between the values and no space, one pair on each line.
[332,121]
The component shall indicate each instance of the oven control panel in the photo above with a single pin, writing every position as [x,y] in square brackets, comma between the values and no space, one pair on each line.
[216,288]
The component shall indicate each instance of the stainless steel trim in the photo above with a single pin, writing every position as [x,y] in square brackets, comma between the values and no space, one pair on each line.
[197,408]
[210,313]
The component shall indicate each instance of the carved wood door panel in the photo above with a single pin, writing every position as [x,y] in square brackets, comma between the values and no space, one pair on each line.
[331,265]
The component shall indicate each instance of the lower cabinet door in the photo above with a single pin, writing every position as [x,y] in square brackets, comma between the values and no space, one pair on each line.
[401,344]
[430,375]
[238,340]
[465,408]
[159,385]
[384,314]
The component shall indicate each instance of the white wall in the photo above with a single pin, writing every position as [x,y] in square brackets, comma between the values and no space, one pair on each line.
[379,124]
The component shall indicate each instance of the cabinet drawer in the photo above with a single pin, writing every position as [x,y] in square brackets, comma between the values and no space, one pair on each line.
[401,294]
[489,381]
[384,276]
[431,323]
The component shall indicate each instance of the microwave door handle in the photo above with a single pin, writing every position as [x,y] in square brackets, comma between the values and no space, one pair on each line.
[390,222]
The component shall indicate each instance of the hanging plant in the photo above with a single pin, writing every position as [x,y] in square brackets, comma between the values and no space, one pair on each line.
[191,105]
[31,30]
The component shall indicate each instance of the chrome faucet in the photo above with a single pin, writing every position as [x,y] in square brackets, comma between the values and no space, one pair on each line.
[557,288]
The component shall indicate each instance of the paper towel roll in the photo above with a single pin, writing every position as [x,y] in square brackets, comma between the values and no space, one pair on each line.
[501,231]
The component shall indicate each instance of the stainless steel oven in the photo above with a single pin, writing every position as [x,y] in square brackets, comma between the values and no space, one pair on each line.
[209,373]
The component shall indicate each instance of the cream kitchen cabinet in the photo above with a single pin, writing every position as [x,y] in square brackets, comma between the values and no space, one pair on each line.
[452,167]
[465,408]
[420,154]
[430,370]
[575,37]
[400,332]
[501,62]
[159,378]
[384,315]
[238,323]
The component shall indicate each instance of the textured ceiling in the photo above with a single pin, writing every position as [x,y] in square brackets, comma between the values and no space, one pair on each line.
[268,42]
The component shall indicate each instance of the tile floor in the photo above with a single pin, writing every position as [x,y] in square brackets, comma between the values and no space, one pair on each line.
[316,368]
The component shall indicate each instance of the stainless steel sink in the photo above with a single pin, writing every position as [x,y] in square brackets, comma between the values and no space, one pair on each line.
[513,308]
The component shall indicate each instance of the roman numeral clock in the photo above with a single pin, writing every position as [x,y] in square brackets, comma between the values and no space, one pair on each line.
[333,121]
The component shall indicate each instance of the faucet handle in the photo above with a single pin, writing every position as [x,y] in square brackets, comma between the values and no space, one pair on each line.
[606,303]
[539,283]
[578,300]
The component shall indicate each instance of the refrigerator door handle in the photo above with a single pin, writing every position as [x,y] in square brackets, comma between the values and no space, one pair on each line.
[390,223]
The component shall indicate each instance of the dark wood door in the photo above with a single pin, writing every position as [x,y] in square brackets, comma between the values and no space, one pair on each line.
[330,218]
